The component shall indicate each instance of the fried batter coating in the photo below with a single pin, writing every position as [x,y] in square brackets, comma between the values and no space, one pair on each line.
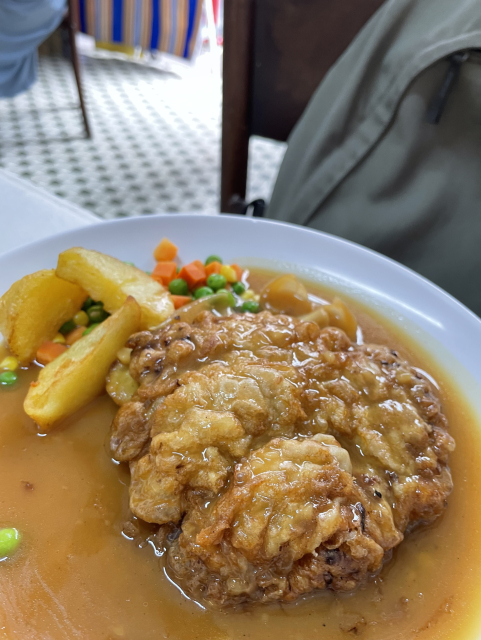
[289,501]
[290,458]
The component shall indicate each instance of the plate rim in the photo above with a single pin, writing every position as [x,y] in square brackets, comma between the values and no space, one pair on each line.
[133,220]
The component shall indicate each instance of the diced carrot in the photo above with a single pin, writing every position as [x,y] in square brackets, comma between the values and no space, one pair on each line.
[213,267]
[48,351]
[238,271]
[194,274]
[74,335]
[179,301]
[165,251]
[164,272]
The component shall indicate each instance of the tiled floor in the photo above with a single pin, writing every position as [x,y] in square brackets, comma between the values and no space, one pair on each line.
[155,145]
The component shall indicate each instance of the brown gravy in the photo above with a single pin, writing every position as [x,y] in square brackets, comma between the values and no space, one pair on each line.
[77,576]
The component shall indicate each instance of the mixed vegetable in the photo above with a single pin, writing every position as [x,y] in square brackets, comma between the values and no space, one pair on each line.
[198,280]
[83,322]
[7,371]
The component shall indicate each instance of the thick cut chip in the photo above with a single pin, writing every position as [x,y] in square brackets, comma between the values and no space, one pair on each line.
[111,280]
[34,308]
[77,376]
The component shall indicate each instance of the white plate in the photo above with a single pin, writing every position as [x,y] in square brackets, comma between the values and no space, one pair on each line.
[448,330]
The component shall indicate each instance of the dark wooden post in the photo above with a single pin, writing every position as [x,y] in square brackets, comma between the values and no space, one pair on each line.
[237,72]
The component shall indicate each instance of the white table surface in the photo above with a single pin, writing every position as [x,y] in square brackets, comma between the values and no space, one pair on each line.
[29,213]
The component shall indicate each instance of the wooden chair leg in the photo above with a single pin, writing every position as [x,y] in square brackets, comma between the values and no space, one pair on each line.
[71,26]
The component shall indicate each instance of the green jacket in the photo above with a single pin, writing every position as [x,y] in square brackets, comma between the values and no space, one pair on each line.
[364,163]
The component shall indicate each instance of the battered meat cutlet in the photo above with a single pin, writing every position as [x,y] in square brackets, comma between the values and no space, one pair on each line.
[289,458]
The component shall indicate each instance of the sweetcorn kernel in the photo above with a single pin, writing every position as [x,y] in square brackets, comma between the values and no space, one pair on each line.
[250,295]
[10,363]
[59,339]
[228,273]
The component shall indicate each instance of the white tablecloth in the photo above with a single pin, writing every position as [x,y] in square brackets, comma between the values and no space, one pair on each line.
[29,213]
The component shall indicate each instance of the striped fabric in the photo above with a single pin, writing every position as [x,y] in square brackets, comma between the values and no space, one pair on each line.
[166,25]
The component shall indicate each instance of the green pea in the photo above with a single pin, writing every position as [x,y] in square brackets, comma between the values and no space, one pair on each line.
[97,313]
[179,287]
[88,303]
[8,378]
[131,264]
[213,258]
[149,273]
[91,328]
[238,288]
[202,292]
[9,541]
[251,306]
[67,327]
[230,297]
[215,281]
[81,319]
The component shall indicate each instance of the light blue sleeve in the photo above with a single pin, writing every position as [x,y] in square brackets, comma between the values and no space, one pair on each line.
[24,25]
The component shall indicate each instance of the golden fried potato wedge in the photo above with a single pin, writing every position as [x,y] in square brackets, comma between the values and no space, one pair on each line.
[336,314]
[120,385]
[77,376]
[286,294]
[341,316]
[111,280]
[33,310]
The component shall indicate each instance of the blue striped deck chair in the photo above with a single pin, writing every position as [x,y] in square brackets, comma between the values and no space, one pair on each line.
[170,26]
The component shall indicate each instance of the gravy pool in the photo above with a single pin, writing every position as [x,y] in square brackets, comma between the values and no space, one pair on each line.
[77,576]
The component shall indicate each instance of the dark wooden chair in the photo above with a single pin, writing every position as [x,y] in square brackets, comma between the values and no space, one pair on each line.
[276,53]
[69,23]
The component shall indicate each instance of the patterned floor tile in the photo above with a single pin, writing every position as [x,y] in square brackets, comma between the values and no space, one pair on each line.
[155,144]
